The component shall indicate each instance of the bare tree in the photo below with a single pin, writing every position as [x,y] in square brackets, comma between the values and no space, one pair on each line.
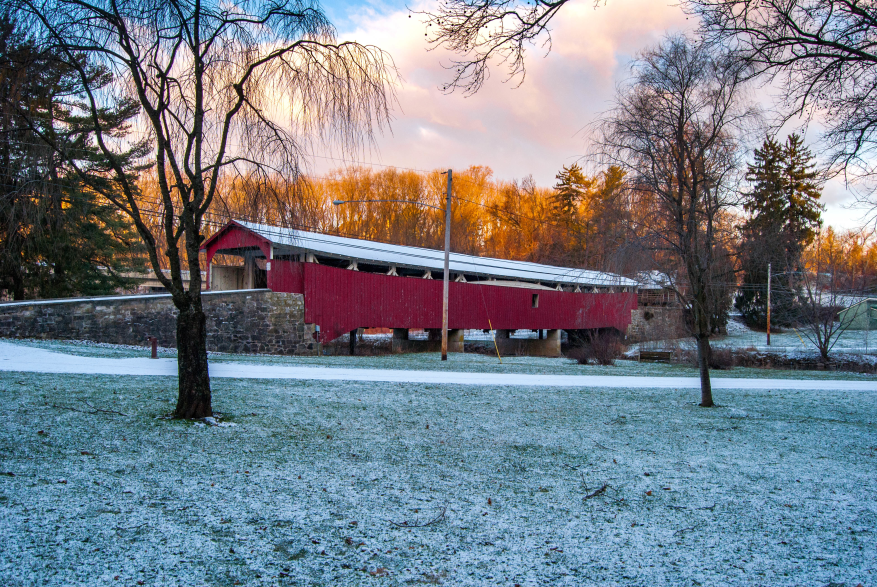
[676,128]
[817,313]
[213,80]
[821,53]
[490,30]
[824,294]
[823,56]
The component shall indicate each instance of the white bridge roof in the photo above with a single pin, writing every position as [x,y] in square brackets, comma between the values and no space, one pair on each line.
[420,258]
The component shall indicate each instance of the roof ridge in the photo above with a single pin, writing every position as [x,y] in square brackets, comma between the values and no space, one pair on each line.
[376,251]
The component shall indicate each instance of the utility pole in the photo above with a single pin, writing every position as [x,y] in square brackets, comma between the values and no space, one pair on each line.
[447,255]
[768,304]
[447,267]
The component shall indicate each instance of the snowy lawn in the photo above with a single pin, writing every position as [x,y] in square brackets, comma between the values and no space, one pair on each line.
[344,483]
[793,340]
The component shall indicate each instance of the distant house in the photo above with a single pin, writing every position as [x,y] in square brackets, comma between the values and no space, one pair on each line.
[656,290]
[659,314]
[860,316]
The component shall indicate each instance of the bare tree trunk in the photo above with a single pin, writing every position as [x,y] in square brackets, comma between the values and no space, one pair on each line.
[194,399]
[702,336]
[17,285]
[823,343]
[703,364]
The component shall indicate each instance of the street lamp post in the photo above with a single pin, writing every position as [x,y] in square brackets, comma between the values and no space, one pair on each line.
[447,212]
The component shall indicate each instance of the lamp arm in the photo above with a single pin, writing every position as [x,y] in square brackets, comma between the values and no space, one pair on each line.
[339,202]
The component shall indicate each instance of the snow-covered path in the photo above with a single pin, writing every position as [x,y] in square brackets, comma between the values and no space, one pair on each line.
[15,357]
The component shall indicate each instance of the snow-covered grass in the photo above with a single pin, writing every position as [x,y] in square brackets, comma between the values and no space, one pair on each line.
[318,479]
[87,348]
[850,346]
[740,336]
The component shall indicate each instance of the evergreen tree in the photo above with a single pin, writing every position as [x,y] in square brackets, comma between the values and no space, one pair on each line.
[785,216]
[592,215]
[570,189]
[608,221]
[57,237]
[803,210]
[566,206]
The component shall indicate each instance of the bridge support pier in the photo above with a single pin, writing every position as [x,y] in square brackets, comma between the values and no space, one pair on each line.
[402,344]
[528,347]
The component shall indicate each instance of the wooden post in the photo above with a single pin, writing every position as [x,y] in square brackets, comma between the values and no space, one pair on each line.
[249,271]
[447,268]
[494,341]
[768,304]
[353,341]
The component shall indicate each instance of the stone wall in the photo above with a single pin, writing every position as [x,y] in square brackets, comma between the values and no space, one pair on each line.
[656,323]
[249,321]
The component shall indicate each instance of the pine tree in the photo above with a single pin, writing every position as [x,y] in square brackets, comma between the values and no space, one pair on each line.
[607,220]
[570,189]
[785,216]
[591,215]
[57,237]
[570,193]
[803,210]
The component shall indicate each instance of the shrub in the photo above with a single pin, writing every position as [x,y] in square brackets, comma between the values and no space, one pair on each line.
[600,347]
[723,358]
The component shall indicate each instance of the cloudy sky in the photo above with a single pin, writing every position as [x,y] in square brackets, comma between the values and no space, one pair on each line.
[531,129]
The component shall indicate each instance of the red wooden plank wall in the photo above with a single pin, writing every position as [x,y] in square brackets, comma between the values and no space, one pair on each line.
[340,300]
[233,237]
[286,276]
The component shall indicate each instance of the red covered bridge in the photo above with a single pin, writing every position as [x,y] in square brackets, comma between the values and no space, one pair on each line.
[351,283]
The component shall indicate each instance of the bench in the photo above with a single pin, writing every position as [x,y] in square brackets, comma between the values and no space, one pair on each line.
[655,356]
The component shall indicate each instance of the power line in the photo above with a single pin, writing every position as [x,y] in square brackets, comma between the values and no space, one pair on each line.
[496,210]
[459,177]
[280,232]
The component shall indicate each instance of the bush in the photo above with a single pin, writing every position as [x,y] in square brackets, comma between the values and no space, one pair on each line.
[722,358]
[601,348]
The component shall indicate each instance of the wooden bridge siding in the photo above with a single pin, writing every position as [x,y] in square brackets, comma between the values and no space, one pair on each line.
[232,237]
[340,300]
[286,276]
